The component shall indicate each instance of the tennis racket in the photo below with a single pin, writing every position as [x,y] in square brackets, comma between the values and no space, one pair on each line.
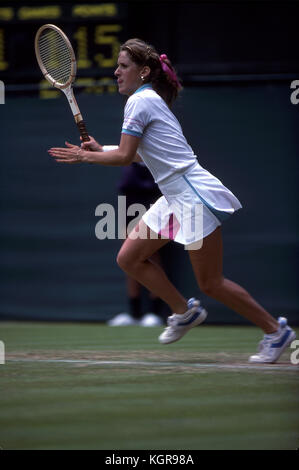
[57,62]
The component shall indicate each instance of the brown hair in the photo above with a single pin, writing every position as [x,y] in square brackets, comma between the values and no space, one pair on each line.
[143,54]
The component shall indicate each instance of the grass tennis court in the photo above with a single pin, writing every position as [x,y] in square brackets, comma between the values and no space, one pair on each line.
[89,386]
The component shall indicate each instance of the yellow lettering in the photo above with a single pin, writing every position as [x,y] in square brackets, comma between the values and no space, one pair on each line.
[112,89]
[96,87]
[89,85]
[82,48]
[47,12]
[3,63]
[103,37]
[88,11]
[48,94]
[46,91]
[6,14]
[85,81]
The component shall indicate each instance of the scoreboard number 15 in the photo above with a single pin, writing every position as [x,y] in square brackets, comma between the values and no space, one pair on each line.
[104,35]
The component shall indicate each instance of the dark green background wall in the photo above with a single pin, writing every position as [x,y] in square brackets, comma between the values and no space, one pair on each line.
[52,265]
[237,60]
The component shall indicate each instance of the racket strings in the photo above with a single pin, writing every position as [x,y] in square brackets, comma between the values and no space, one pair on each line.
[55,56]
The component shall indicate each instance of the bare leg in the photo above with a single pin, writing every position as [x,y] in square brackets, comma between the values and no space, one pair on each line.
[156,260]
[134,258]
[207,267]
[134,287]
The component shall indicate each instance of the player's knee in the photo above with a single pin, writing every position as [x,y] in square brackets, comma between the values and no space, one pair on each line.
[210,287]
[125,262]
[122,260]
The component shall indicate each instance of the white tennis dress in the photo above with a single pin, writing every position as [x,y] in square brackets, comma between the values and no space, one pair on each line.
[194,202]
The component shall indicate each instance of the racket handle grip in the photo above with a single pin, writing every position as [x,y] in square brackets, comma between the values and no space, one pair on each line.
[83,131]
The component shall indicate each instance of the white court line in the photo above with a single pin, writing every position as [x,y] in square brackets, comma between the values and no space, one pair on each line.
[162,364]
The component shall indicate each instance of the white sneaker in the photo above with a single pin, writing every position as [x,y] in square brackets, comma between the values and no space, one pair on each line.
[179,325]
[122,319]
[282,322]
[150,319]
[272,346]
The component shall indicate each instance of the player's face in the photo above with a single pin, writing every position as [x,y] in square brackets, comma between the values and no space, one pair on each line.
[128,74]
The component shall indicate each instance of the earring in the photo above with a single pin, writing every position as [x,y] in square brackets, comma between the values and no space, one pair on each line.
[142,78]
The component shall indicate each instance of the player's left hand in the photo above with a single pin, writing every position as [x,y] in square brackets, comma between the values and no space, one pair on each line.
[70,154]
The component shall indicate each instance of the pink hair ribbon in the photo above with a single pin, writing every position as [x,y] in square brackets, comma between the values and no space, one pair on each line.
[171,74]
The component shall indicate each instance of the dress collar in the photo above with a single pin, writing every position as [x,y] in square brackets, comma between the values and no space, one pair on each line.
[143,87]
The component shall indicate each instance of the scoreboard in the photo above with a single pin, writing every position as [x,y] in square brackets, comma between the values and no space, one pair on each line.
[95,30]
[207,41]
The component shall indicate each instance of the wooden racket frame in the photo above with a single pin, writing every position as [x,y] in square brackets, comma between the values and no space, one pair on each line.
[66,88]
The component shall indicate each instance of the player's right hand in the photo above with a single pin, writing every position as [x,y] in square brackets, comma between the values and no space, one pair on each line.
[91,145]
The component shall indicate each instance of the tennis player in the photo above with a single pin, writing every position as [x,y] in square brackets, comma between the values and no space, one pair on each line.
[152,133]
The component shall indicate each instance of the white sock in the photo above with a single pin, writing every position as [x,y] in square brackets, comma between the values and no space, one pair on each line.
[273,335]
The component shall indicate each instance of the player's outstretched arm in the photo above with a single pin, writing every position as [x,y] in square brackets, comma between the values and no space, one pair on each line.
[124,155]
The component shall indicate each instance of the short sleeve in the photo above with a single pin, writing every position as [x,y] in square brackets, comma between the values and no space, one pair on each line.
[136,117]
